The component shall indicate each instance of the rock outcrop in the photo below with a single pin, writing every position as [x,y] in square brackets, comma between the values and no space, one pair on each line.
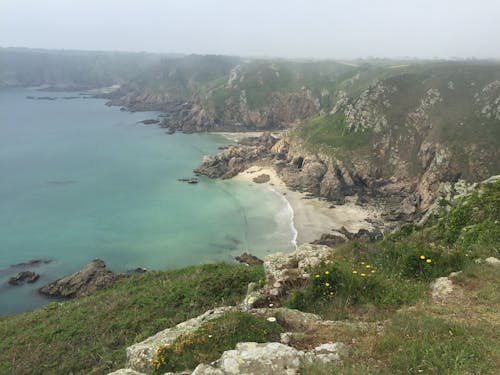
[272,358]
[249,259]
[236,159]
[140,356]
[284,271]
[94,276]
[24,277]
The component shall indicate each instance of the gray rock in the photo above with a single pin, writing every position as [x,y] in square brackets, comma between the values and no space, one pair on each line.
[140,355]
[125,371]
[250,358]
[492,261]
[330,352]
[24,277]
[203,369]
[94,276]
[441,288]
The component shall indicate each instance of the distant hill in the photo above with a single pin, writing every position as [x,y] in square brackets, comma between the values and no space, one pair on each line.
[65,70]
[382,127]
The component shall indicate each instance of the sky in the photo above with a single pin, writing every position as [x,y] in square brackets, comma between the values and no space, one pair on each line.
[339,29]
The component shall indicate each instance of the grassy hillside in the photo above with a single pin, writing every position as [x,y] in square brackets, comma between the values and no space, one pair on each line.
[417,103]
[384,284]
[89,335]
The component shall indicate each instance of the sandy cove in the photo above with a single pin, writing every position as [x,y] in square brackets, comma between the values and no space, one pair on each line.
[312,216]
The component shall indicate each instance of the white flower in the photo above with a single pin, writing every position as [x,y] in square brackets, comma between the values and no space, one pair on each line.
[271,319]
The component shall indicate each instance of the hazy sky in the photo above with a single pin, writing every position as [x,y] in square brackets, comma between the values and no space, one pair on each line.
[288,28]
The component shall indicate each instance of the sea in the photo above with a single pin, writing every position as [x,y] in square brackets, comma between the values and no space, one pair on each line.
[80,180]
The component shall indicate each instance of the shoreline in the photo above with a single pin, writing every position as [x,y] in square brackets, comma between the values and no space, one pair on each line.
[238,136]
[312,217]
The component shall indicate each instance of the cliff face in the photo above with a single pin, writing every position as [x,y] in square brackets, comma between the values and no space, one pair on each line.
[214,93]
[393,141]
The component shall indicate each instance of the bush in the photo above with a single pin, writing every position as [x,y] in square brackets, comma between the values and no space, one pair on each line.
[343,283]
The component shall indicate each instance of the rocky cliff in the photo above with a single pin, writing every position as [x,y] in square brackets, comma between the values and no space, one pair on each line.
[393,141]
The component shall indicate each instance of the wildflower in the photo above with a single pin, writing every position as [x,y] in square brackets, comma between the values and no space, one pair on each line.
[362,262]
[209,336]
[466,254]
[354,272]
[271,304]
[373,271]
[327,272]
[318,276]
[327,284]
[422,257]
[368,266]
[429,260]
[271,319]
[331,293]
[363,274]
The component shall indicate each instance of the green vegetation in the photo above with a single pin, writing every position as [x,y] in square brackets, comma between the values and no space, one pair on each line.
[397,270]
[89,335]
[207,344]
[459,335]
[330,134]
[419,343]
[383,285]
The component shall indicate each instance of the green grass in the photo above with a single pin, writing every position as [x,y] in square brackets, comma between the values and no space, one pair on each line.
[397,270]
[207,344]
[329,134]
[417,344]
[89,335]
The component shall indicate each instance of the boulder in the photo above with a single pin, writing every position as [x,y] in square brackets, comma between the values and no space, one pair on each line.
[125,371]
[140,356]
[492,261]
[24,277]
[249,259]
[88,280]
[251,358]
[260,179]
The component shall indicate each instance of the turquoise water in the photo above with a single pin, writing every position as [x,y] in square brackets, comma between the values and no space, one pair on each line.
[79,180]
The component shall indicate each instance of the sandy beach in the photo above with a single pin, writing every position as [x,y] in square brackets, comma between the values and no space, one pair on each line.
[238,136]
[312,216]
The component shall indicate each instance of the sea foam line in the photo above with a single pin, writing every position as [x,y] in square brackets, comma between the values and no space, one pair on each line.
[291,215]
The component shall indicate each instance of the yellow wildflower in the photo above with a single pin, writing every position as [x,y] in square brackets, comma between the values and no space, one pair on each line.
[363,274]
[429,260]
[362,262]
[466,254]
[327,272]
[327,284]
[354,272]
[373,271]
[317,276]
[368,266]
[422,257]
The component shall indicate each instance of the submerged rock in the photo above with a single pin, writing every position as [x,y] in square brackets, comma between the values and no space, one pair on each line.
[31,263]
[24,277]
[88,280]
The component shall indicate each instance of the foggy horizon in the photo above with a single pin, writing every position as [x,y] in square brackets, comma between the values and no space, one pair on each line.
[337,29]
